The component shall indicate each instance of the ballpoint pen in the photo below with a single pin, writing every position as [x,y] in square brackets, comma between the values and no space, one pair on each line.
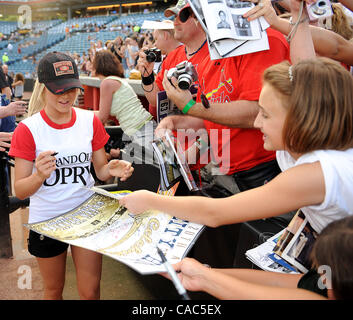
[179,287]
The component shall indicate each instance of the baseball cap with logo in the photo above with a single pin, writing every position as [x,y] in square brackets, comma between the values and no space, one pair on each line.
[58,72]
[178,9]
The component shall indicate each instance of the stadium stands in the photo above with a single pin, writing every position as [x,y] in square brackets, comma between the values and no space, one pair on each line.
[53,37]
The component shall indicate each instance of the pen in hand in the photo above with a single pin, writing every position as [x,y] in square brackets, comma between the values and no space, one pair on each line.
[179,287]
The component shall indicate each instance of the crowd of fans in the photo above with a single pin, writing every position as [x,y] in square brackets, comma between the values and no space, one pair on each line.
[125,49]
[287,117]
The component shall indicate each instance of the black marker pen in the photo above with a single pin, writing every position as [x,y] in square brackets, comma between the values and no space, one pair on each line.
[181,290]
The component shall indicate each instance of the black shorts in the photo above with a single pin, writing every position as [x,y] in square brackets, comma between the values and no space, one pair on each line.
[44,247]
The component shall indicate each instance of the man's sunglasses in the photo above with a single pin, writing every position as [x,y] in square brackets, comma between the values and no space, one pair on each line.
[184,15]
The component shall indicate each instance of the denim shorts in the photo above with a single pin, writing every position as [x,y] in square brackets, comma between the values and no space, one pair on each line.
[44,247]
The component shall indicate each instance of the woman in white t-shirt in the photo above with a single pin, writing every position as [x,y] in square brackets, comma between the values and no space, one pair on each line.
[306,113]
[53,150]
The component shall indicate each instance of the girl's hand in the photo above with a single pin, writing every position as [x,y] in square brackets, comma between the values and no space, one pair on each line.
[120,168]
[178,96]
[5,136]
[262,8]
[138,201]
[191,274]
[45,164]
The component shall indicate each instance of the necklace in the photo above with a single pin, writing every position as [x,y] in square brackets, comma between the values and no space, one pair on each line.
[191,54]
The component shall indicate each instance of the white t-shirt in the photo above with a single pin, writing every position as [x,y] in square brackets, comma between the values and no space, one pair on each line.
[74,141]
[337,168]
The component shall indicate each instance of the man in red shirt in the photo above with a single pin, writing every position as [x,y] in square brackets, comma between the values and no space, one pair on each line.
[188,31]
[232,87]
[194,49]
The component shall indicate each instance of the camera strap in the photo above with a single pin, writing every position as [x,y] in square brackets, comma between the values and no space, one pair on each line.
[296,24]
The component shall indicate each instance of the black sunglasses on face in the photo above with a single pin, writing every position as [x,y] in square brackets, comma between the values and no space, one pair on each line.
[184,15]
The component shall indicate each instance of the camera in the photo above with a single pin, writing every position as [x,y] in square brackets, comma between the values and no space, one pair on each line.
[153,55]
[185,74]
[319,9]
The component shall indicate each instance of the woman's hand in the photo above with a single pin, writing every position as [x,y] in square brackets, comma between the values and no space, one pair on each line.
[179,96]
[120,168]
[145,67]
[138,202]
[262,8]
[5,136]
[191,274]
[45,164]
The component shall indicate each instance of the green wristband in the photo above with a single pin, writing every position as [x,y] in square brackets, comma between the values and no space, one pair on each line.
[188,106]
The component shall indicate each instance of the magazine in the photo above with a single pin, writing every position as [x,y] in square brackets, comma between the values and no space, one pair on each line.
[296,242]
[102,225]
[172,162]
[224,19]
[166,107]
[170,174]
[290,248]
[227,30]
[264,257]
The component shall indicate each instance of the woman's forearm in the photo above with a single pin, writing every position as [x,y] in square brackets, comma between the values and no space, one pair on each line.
[326,42]
[197,209]
[225,287]
[28,186]
[263,277]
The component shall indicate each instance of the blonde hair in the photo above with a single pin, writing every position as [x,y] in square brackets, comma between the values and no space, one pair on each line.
[318,95]
[339,22]
[36,103]
[170,31]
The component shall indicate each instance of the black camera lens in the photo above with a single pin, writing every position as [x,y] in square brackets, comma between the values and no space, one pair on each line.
[151,56]
[184,82]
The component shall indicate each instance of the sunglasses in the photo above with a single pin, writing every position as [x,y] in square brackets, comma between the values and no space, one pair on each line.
[184,15]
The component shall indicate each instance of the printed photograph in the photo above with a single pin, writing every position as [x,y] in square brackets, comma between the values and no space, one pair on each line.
[223,23]
[242,26]
[238,4]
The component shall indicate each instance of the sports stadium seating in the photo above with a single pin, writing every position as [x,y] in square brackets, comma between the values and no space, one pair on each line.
[53,37]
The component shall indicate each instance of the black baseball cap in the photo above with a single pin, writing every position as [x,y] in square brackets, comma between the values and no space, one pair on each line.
[58,72]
